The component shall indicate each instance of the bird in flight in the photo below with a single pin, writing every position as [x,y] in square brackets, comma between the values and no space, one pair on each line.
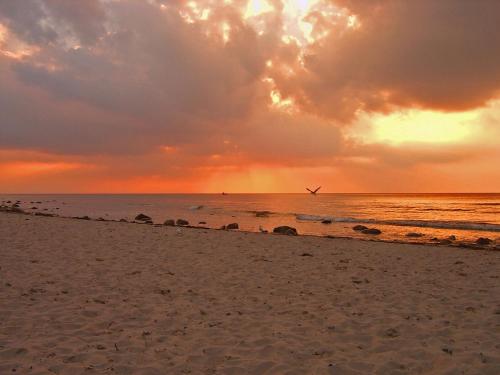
[313,191]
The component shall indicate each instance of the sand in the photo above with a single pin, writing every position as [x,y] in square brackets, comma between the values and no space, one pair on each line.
[87,297]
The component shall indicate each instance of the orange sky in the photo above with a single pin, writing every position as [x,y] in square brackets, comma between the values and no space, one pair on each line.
[249,96]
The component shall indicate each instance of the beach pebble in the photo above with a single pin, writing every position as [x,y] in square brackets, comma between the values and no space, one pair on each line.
[447,351]
[15,209]
[371,231]
[483,241]
[392,332]
[43,214]
[169,222]
[359,228]
[142,217]
[414,234]
[182,222]
[232,226]
[452,238]
[285,230]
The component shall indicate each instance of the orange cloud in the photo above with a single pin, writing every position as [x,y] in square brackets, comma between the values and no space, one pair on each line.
[20,169]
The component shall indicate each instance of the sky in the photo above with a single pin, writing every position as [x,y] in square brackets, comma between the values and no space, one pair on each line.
[159,96]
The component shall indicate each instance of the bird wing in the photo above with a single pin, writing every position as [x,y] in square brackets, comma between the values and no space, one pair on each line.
[309,190]
[317,189]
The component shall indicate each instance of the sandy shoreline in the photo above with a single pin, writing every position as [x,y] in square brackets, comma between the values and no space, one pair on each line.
[82,296]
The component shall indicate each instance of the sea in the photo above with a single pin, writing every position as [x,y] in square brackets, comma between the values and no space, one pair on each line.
[433,217]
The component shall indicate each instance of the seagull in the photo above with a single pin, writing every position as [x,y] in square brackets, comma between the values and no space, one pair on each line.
[313,192]
[262,230]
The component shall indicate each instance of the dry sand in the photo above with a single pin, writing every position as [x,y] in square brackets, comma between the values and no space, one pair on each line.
[86,297]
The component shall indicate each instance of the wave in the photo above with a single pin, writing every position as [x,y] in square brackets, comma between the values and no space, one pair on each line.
[261,212]
[446,209]
[463,225]
[305,217]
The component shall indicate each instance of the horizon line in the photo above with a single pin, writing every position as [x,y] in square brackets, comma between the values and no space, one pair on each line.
[243,193]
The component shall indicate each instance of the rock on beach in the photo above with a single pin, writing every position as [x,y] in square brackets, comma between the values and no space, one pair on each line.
[414,234]
[373,231]
[285,230]
[142,217]
[359,228]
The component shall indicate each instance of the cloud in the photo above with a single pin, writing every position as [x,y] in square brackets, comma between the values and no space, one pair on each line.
[411,154]
[166,91]
[47,21]
[154,80]
[425,54]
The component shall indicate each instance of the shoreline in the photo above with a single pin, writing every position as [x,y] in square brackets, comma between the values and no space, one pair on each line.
[369,238]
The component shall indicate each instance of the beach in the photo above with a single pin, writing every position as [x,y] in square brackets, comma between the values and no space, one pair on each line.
[105,297]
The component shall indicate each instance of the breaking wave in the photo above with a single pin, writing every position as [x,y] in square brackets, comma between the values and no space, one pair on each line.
[464,225]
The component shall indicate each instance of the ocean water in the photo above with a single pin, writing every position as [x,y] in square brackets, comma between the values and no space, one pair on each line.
[466,216]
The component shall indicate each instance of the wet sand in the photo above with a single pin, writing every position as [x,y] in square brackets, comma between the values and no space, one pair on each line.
[88,297]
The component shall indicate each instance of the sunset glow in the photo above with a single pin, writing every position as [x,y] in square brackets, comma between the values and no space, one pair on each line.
[257,7]
[32,168]
[247,96]
[423,126]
